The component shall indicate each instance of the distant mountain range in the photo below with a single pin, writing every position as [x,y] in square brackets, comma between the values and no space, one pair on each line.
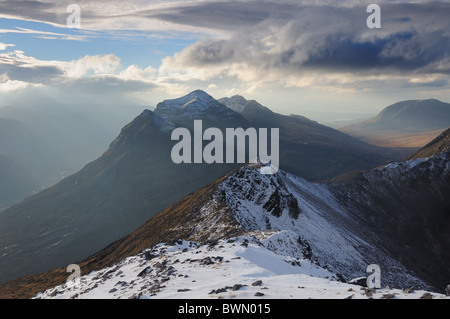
[395,216]
[47,143]
[411,123]
[136,178]
[16,182]
[309,149]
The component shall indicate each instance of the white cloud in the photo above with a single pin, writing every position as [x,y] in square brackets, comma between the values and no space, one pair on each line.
[92,64]
[8,85]
[135,73]
[103,72]
[46,34]
[4,46]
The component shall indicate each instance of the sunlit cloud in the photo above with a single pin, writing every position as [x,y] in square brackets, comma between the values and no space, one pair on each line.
[244,46]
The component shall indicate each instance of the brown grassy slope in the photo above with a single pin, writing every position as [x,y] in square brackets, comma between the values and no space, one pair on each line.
[183,220]
[392,139]
[436,146]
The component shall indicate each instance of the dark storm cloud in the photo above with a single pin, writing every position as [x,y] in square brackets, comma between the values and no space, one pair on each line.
[401,51]
[35,74]
[413,38]
[229,15]
[32,10]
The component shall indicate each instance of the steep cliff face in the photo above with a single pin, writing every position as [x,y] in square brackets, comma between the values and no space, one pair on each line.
[407,206]
[328,230]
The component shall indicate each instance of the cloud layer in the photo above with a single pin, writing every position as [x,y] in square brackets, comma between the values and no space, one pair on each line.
[320,44]
[297,44]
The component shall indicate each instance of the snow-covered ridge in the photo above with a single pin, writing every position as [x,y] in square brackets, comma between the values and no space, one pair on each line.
[236,103]
[299,239]
[201,98]
[324,230]
[423,164]
[236,268]
[161,123]
[190,105]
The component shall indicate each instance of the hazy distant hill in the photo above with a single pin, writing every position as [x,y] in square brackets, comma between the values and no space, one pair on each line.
[309,149]
[16,182]
[50,143]
[411,123]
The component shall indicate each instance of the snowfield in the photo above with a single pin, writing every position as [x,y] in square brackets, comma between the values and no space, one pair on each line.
[237,268]
[297,240]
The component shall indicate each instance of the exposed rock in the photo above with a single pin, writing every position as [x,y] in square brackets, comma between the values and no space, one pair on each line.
[149,256]
[145,271]
[360,281]
[408,290]
[237,287]
[426,295]
[206,261]
[369,292]
[121,283]
[220,290]
[183,290]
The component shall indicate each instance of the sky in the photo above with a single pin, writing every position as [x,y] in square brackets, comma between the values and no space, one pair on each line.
[314,58]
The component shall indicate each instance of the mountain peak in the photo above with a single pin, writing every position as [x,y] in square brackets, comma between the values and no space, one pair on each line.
[243,106]
[416,111]
[197,95]
[198,100]
[144,126]
[237,102]
[148,117]
[198,105]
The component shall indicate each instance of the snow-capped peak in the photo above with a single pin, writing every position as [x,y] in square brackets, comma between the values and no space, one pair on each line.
[197,100]
[237,103]
[198,105]
[195,96]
